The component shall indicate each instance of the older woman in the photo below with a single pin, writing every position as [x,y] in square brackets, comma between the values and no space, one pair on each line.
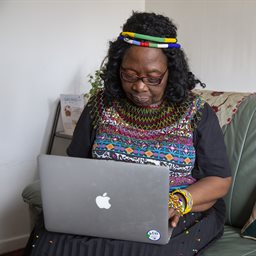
[147,106]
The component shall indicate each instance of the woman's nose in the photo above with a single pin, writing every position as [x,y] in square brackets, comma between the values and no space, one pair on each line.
[139,86]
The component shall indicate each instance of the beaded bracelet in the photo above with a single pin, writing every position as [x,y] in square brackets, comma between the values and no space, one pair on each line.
[176,203]
[188,199]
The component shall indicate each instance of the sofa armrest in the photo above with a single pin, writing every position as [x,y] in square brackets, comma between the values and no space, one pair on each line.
[32,195]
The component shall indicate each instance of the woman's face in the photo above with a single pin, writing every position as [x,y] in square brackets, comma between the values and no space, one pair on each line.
[149,64]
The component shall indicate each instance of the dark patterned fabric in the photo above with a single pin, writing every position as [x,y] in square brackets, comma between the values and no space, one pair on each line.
[194,232]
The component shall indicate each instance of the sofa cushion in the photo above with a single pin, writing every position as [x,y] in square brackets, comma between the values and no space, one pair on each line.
[240,137]
[249,229]
[32,195]
[237,116]
[231,244]
[225,104]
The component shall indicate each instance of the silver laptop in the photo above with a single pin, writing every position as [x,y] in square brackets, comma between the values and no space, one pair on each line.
[105,198]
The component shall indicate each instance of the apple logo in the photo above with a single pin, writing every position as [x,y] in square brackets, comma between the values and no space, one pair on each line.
[103,201]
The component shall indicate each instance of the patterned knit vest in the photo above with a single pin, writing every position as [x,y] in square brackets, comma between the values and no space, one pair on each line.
[161,135]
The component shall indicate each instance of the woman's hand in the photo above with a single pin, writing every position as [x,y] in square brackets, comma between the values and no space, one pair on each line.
[174,217]
[205,193]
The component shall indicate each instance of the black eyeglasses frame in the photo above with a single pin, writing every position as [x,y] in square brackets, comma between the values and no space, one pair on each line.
[144,79]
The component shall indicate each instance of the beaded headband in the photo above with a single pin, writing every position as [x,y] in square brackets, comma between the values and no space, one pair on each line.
[161,41]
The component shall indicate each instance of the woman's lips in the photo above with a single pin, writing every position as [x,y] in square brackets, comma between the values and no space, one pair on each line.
[140,99]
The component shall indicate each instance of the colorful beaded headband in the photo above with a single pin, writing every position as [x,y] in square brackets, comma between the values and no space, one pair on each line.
[149,38]
[164,42]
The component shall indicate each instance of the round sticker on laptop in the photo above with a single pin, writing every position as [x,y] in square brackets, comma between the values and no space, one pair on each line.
[153,235]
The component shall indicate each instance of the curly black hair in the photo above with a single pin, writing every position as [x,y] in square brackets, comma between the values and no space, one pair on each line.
[180,79]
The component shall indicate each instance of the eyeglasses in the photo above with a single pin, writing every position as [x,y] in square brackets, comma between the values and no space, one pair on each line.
[151,81]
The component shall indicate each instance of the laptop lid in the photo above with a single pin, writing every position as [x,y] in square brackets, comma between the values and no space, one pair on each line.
[105,198]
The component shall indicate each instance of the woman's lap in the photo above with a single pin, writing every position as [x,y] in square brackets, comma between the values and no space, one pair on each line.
[193,234]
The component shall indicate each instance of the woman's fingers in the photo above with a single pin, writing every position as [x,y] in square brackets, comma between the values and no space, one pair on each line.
[175,220]
[174,217]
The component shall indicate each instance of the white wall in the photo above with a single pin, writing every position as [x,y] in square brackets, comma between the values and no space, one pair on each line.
[219,38]
[46,48]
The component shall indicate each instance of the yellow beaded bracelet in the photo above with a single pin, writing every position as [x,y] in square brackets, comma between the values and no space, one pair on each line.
[188,198]
[176,203]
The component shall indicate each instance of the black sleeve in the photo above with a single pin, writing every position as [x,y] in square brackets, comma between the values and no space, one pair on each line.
[83,136]
[211,155]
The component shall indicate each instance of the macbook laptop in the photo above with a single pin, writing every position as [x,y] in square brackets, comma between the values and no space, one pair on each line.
[105,198]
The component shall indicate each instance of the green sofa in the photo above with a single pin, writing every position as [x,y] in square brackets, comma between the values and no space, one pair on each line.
[237,116]
[240,138]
